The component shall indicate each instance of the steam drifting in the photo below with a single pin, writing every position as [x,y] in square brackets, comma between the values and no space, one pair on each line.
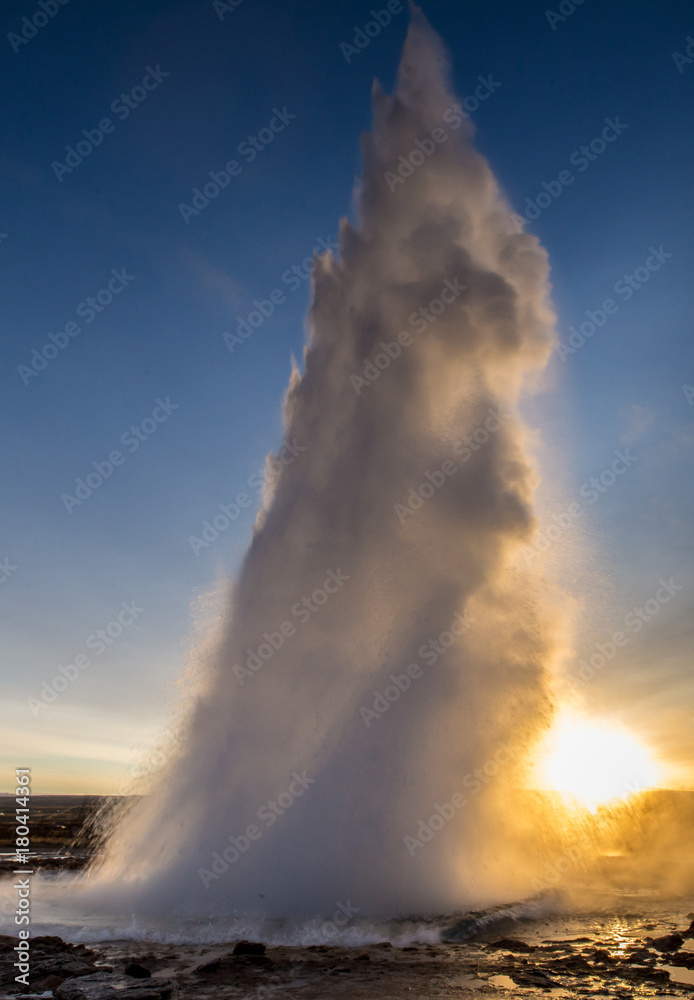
[401,519]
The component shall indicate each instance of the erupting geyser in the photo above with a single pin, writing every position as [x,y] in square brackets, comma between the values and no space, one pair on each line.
[360,727]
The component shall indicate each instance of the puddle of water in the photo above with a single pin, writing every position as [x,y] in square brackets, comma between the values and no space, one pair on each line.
[505,981]
[467,982]
[680,975]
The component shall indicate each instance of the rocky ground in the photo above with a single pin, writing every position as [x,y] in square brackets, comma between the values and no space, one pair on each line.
[59,821]
[617,965]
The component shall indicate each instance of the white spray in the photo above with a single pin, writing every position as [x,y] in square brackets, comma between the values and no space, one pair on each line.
[362,718]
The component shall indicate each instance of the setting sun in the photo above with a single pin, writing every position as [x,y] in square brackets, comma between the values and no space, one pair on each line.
[594,762]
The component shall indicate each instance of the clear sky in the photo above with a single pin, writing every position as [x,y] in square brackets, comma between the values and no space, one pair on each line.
[272,99]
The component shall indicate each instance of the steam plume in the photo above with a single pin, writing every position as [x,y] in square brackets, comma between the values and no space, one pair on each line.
[346,504]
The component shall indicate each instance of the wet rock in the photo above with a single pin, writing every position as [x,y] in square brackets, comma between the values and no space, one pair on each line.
[209,966]
[600,955]
[51,960]
[66,966]
[511,944]
[230,968]
[574,964]
[85,988]
[646,975]
[248,948]
[669,942]
[689,933]
[108,986]
[533,977]
[684,959]
[137,971]
[248,962]
[48,941]
[639,955]
[49,983]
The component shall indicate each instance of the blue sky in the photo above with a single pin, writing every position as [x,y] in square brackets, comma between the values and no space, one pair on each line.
[201,82]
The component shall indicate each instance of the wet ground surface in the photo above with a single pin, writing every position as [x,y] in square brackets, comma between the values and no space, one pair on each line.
[617,955]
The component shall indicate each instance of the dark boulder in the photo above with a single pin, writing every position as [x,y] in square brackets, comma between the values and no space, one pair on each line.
[136,970]
[669,942]
[684,959]
[248,948]
[640,955]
